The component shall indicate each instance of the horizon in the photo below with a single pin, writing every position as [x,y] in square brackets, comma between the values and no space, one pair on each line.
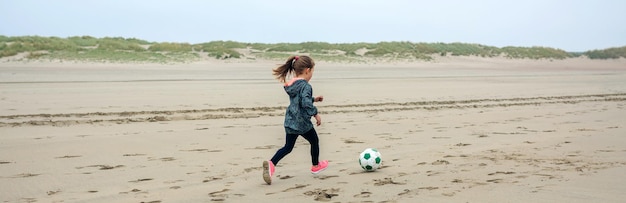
[572,26]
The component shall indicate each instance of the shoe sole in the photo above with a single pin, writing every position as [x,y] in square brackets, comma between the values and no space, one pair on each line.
[266,173]
[319,170]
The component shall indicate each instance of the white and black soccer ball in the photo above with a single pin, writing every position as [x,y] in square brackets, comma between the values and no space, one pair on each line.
[370,159]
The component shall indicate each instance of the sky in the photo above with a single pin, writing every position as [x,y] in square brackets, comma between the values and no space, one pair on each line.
[571,25]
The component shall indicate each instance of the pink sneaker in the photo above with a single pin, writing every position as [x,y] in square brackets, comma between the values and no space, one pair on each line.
[320,167]
[268,171]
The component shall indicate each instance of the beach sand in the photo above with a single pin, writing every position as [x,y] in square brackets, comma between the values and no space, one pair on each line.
[459,129]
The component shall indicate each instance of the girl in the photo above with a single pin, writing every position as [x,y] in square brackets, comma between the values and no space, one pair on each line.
[299,113]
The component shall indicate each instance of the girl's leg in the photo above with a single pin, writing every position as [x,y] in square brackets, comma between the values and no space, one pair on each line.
[282,152]
[311,136]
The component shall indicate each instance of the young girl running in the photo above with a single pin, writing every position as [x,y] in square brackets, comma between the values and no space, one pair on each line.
[299,113]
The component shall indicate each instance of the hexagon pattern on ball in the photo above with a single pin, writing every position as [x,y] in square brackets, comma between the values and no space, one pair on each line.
[370,159]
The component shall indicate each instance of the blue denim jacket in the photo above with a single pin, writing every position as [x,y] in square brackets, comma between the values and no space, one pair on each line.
[300,109]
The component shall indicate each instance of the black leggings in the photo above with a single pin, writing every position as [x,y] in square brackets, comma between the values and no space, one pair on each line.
[310,136]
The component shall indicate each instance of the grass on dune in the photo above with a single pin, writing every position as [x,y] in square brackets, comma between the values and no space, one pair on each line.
[118,49]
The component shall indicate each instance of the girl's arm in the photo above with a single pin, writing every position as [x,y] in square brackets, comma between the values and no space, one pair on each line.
[318,99]
[318,120]
[307,101]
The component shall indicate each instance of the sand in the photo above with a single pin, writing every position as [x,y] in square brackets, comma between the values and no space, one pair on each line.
[459,129]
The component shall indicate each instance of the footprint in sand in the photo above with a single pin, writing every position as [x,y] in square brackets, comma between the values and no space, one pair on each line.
[25,175]
[359,172]
[40,138]
[201,150]
[53,192]
[134,190]
[404,192]
[448,194]
[457,181]
[162,159]
[441,162]
[385,181]
[141,180]
[250,169]
[323,194]
[433,173]
[68,156]
[501,172]
[265,147]
[28,200]
[363,194]
[102,167]
[324,177]
[351,141]
[173,181]
[219,194]
[134,154]
[209,179]
[284,177]
[495,180]
[441,137]
[585,129]
[167,159]
[295,187]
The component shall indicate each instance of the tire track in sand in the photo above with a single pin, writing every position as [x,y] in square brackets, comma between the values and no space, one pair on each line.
[269,111]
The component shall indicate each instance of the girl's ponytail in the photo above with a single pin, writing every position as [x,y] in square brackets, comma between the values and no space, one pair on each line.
[282,71]
[293,61]
[295,65]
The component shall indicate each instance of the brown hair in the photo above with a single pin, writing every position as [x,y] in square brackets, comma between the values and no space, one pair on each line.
[295,64]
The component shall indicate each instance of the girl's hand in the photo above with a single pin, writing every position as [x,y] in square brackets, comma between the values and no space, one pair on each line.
[318,119]
[319,99]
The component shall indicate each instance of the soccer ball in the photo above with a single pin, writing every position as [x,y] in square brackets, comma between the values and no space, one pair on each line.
[370,159]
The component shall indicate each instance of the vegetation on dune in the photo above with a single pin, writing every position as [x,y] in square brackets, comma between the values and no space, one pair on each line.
[117,44]
[87,48]
[536,52]
[221,49]
[610,53]
[170,47]
[118,49]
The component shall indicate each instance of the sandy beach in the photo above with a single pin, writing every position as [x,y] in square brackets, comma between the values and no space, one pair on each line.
[457,129]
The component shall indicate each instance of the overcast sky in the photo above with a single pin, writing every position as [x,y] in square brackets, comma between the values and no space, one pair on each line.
[571,25]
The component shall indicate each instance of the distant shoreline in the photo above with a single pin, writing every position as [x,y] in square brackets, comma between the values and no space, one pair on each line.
[444,62]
